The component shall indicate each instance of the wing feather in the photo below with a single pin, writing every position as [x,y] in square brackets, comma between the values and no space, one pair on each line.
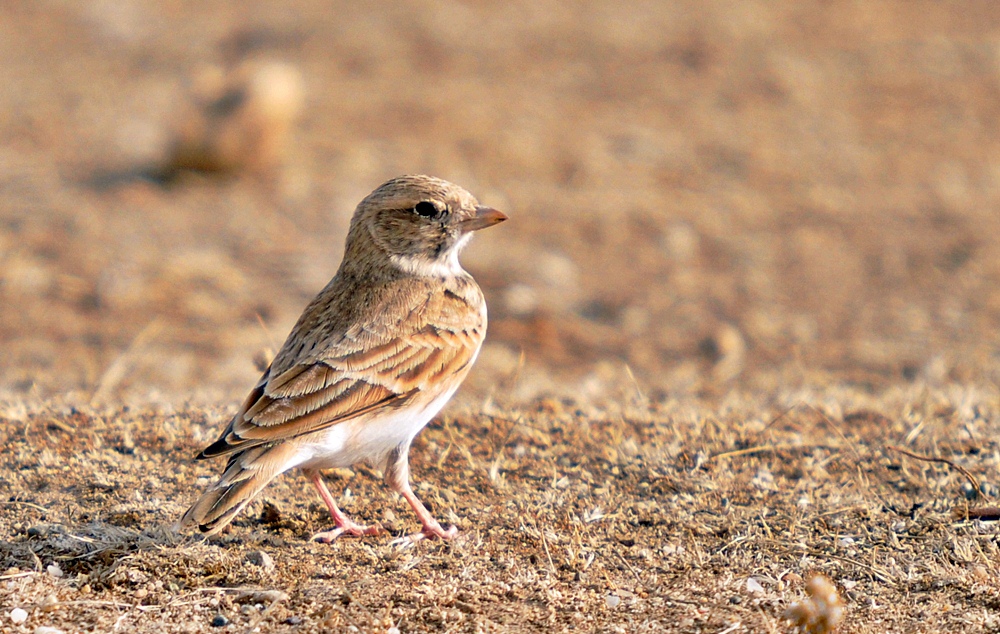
[358,399]
[381,362]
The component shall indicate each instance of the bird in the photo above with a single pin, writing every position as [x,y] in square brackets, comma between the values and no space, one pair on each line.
[236,121]
[372,359]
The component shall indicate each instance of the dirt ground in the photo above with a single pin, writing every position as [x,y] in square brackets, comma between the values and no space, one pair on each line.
[744,319]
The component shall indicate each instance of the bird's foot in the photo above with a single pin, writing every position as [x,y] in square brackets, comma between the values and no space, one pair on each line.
[429,531]
[351,530]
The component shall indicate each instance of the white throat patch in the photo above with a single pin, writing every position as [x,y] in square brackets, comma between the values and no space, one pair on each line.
[446,266]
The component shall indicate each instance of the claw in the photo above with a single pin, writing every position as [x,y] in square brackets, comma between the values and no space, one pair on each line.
[327,537]
[431,531]
[351,530]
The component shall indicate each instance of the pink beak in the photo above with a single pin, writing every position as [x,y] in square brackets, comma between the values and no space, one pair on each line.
[485,217]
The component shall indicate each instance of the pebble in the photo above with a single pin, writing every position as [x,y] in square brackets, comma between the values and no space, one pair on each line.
[612,601]
[969,491]
[220,621]
[45,629]
[18,616]
[262,559]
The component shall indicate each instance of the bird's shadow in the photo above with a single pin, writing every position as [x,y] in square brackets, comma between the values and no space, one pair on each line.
[105,179]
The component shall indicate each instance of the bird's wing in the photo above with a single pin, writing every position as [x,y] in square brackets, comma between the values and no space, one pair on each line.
[383,362]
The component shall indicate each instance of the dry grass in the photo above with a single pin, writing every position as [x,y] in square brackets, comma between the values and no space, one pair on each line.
[744,318]
[679,515]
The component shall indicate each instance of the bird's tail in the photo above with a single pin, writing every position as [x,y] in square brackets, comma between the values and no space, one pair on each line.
[247,473]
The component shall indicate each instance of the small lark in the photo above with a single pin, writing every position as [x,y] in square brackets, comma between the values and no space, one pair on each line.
[371,360]
[237,121]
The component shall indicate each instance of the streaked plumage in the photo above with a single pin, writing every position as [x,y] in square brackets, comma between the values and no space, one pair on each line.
[371,360]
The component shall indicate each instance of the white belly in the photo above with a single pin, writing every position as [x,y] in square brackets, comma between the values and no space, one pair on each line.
[368,438]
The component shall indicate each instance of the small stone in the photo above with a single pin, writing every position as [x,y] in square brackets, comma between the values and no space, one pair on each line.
[753,586]
[271,513]
[54,570]
[219,620]
[262,559]
[18,616]
[294,620]
[45,629]
[969,491]
[612,601]
[792,577]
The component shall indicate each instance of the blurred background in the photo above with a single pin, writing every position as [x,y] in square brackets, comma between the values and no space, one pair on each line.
[703,196]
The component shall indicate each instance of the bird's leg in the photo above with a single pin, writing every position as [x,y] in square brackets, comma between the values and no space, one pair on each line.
[345,526]
[397,475]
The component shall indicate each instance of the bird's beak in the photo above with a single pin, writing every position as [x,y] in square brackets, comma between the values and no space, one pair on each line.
[485,217]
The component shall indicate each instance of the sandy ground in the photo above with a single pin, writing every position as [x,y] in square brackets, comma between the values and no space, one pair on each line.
[751,266]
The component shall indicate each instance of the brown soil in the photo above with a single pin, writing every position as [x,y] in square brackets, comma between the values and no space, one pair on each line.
[751,266]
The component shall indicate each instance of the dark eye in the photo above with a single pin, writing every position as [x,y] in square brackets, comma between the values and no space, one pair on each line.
[426,209]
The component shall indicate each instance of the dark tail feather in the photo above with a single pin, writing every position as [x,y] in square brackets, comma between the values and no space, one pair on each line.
[246,474]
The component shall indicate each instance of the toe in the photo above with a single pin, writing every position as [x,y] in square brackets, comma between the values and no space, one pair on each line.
[435,531]
[351,530]
[328,537]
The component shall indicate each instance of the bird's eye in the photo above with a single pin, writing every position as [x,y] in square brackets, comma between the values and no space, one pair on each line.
[426,209]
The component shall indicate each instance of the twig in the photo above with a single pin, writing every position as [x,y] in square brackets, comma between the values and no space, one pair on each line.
[881,575]
[630,568]
[100,604]
[857,456]
[965,472]
[767,619]
[115,372]
[764,449]
[34,506]
[545,544]
[635,382]
[267,333]
[985,514]
[277,598]
[837,429]
[777,418]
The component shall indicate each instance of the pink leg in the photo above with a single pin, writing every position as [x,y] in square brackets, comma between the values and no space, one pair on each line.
[397,474]
[344,524]
[431,527]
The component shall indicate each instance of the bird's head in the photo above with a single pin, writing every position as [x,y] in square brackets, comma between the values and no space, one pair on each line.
[421,223]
